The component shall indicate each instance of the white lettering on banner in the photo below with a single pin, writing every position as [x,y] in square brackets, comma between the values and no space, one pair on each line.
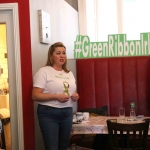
[116,46]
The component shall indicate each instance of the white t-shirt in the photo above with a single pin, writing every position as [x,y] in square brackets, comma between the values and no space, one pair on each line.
[55,82]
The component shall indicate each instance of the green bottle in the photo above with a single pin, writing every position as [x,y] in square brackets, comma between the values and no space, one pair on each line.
[132,109]
[132,104]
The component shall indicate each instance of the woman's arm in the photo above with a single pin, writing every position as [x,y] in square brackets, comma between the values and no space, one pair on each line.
[38,95]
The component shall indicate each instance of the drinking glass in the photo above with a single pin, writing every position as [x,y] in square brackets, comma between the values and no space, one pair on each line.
[121,113]
[132,114]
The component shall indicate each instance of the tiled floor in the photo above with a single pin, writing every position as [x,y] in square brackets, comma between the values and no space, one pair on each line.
[82,140]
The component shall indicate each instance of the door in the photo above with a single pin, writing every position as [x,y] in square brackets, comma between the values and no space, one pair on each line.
[8,14]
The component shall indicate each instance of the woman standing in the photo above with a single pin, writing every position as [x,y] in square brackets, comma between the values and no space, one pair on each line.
[54,89]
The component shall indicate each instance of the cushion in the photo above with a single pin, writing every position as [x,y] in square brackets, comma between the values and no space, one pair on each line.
[102,111]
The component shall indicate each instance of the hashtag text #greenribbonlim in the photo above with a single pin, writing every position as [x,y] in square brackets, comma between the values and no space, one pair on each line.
[117,45]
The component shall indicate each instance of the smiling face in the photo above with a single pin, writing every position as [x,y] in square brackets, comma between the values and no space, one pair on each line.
[59,57]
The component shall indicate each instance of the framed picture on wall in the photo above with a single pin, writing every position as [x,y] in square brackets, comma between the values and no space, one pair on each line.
[44,26]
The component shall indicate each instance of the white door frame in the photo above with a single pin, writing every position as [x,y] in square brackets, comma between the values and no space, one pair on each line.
[19,116]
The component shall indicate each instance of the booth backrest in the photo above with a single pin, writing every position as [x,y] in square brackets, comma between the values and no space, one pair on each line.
[114,82]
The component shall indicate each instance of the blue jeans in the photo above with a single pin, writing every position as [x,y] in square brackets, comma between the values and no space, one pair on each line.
[55,125]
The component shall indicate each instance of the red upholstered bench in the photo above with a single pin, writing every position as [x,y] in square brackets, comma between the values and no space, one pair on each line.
[114,82]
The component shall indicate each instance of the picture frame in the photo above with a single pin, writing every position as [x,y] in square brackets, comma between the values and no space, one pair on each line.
[44,27]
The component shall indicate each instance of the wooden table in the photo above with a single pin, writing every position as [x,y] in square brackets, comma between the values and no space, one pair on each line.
[98,125]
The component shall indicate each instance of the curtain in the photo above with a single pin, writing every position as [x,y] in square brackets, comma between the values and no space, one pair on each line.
[119,15]
[82,17]
[98,18]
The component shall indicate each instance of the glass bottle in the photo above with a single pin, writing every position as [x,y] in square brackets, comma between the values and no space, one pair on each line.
[132,109]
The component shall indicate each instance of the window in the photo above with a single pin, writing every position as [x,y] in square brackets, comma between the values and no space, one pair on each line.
[101,19]
[136,18]
[105,17]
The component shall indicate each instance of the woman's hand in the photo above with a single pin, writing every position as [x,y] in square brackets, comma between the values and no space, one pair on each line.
[38,95]
[75,97]
[62,98]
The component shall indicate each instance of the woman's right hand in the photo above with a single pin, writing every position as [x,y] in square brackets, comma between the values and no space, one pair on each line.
[62,98]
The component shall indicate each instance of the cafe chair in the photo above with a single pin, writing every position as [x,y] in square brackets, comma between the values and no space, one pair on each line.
[128,136]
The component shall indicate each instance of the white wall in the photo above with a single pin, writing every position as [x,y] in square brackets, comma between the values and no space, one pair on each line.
[64,28]
[68,27]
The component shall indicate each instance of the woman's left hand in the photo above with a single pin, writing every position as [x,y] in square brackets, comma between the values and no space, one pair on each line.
[75,97]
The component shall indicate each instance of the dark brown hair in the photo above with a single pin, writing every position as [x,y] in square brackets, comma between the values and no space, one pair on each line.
[50,53]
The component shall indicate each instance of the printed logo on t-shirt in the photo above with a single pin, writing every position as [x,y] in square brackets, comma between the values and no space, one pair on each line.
[66,87]
[61,77]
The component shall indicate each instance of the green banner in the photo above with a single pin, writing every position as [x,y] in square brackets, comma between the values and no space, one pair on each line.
[116,46]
